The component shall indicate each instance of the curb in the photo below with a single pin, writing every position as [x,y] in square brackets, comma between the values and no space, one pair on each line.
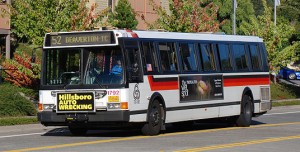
[283,100]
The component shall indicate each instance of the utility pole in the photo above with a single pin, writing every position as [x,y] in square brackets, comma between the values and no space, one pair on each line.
[276,3]
[234,5]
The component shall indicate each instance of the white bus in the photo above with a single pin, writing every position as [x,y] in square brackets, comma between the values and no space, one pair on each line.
[120,78]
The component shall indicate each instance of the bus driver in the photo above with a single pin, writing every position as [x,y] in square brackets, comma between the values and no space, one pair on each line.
[116,72]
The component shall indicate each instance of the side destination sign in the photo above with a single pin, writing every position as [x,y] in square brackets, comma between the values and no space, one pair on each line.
[75,102]
[79,38]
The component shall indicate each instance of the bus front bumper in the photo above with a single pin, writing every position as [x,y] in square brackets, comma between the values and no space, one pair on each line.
[50,118]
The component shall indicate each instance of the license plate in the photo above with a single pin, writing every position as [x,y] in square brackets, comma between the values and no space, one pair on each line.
[75,102]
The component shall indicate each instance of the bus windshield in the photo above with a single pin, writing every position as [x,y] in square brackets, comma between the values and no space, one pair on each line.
[100,66]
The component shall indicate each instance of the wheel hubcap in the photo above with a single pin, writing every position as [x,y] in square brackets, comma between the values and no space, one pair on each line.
[154,117]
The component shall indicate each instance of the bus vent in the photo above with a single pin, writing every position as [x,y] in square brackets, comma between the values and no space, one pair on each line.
[265,94]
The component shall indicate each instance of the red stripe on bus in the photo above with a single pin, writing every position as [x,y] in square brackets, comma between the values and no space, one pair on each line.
[229,82]
[162,85]
[133,34]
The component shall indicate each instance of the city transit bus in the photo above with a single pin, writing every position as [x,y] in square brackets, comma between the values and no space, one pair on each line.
[147,79]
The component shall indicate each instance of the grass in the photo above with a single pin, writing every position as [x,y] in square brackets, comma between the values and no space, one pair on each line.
[281,91]
[8,121]
[286,103]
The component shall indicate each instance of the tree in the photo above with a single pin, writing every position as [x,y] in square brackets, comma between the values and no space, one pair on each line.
[124,16]
[244,12]
[290,10]
[187,16]
[30,19]
[276,38]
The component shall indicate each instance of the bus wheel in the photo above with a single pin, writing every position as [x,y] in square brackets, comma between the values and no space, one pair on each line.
[245,118]
[155,120]
[78,131]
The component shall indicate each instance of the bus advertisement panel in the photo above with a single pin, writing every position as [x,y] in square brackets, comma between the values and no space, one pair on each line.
[201,87]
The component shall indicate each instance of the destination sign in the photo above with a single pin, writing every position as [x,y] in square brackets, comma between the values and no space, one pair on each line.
[79,38]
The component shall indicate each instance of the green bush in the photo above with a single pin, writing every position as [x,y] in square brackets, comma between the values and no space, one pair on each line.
[281,91]
[13,104]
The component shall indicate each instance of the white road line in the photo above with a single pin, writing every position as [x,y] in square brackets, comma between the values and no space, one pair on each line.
[281,113]
[9,136]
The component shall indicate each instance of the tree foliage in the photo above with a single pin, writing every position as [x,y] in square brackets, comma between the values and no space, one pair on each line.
[276,37]
[244,12]
[21,71]
[187,16]
[123,16]
[31,19]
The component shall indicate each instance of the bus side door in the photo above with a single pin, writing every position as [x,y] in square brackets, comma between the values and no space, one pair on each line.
[133,61]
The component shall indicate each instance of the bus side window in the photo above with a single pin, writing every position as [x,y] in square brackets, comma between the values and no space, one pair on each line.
[224,57]
[168,57]
[188,57]
[240,58]
[150,57]
[207,56]
[264,57]
[255,57]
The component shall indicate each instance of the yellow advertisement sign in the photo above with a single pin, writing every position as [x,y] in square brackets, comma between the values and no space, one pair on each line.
[75,102]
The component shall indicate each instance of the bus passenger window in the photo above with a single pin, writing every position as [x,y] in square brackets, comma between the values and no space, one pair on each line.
[255,57]
[224,57]
[239,55]
[168,57]
[207,56]
[150,57]
[188,57]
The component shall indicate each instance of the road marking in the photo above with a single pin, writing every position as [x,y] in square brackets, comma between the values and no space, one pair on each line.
[240,144]
[9,136]
[146,137]
[281,113]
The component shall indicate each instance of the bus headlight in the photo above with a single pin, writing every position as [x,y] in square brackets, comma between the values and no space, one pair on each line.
[114,106]
[48,106]
[121,105]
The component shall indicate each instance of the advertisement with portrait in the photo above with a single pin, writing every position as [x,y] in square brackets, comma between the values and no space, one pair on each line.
[201,88]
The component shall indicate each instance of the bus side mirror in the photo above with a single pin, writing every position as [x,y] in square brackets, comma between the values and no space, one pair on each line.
[135,68]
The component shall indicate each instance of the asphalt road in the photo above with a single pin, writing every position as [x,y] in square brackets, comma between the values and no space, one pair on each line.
[277,131]
[290,82]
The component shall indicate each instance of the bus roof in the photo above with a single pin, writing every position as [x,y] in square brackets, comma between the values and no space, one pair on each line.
[188,36]
[108,37]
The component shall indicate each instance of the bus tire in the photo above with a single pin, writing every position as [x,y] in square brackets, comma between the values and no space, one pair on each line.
[245,118]
[78,131]
[155,119]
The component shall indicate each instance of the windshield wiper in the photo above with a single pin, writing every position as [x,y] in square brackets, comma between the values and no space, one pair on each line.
[97,80]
